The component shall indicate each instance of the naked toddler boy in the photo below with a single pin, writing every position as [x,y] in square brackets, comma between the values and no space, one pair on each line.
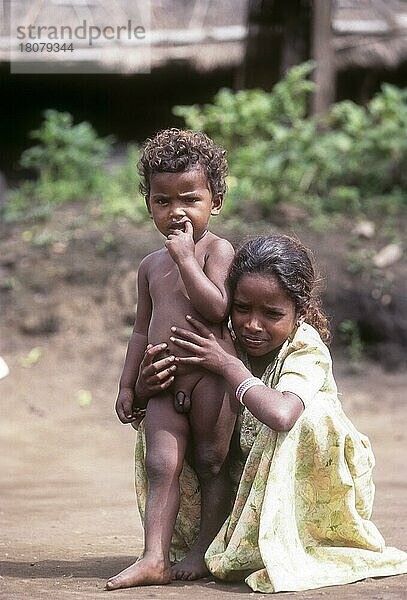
[183,183]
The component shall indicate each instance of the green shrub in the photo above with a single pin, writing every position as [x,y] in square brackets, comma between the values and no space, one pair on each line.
[351,338]
[70,165]
[121,196]
[352,160]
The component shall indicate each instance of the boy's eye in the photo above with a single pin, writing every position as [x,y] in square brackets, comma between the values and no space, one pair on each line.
[190,200]
[161,201]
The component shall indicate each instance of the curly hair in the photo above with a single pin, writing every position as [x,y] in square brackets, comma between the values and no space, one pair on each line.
[178,150]
[286,259]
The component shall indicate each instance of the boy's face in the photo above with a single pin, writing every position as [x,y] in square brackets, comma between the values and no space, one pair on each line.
[178,197]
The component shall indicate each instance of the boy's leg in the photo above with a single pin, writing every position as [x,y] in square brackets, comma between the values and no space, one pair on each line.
[212,420]
[166,439]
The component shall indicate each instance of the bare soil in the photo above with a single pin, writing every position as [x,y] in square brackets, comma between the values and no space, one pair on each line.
[68,518]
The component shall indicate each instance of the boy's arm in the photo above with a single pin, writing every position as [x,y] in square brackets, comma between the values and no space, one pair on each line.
[206,288]
[135,349]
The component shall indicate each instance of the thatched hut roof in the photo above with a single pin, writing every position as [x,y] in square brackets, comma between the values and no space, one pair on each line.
[204,33]
[370,33]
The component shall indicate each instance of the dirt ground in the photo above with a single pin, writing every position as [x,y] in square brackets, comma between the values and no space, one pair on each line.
[68,518]
[68,515]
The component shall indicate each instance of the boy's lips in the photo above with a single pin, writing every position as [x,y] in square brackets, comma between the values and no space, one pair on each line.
[177,225]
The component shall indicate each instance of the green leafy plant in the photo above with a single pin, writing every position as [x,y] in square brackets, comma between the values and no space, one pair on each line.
[353,160]
[120,196]
[69,163]
[350,335]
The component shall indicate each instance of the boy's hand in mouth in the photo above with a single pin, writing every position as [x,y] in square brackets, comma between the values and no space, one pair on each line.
[180,241]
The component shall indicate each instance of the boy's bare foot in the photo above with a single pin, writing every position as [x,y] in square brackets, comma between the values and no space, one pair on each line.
[143,572]
[191,567]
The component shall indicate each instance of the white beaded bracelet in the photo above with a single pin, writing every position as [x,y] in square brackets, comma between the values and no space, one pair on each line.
[243,387]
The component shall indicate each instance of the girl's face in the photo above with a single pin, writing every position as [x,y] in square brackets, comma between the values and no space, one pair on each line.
[263,315]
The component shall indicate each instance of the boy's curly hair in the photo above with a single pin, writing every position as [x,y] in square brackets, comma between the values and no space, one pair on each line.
[178,150]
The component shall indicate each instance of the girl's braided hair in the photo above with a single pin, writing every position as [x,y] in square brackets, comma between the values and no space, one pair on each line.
[286,259]
[178,150]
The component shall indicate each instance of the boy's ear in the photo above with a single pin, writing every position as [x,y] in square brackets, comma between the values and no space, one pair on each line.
[148,206]
[217,203]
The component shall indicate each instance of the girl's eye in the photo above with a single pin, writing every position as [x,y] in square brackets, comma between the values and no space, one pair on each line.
[240,307]
[190,200]
[271,314]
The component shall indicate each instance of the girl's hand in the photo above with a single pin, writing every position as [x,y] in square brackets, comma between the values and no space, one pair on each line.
[154,377]
[180,244]
[205,349]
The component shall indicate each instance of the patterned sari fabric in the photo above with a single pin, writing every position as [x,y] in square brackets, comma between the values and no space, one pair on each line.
[301,514]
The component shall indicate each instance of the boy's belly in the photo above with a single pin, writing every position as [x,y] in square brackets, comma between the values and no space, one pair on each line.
[170,313]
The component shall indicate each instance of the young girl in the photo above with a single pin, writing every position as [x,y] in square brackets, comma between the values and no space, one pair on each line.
[301,514]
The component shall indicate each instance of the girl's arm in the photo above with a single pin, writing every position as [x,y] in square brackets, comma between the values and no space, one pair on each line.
[277,410]
[206,288]
[135,349]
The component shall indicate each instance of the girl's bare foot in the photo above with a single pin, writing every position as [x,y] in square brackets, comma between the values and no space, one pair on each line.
[143,572]
[191,567]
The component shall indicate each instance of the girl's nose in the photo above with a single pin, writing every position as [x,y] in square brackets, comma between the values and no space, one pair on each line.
[253,324]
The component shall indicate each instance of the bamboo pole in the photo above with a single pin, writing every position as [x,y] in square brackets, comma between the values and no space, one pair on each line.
[323,54]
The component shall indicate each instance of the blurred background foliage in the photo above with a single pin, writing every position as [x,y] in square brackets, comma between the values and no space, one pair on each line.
[351,161]
[71,163]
